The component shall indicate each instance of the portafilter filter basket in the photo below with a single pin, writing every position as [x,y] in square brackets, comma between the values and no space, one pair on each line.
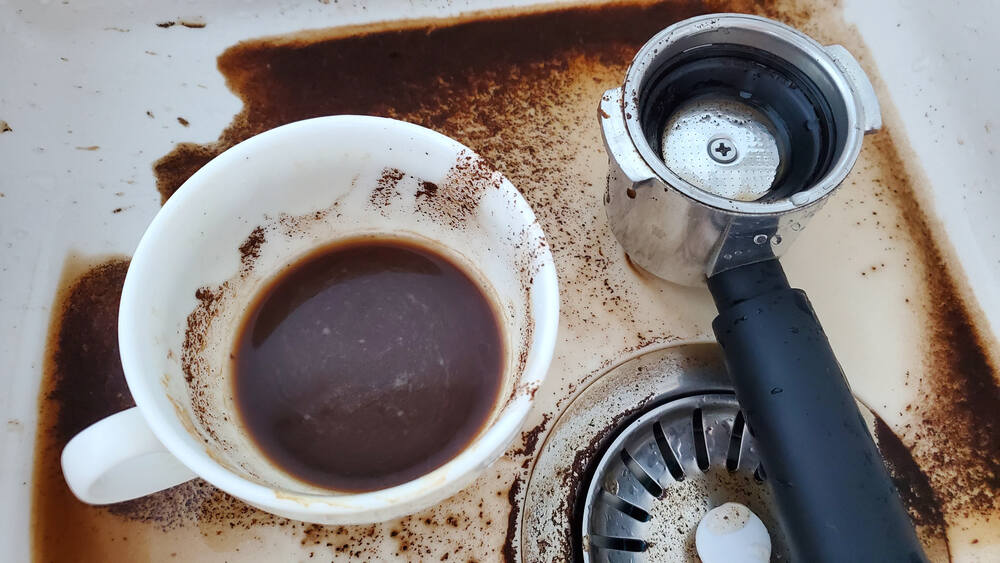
[727,136]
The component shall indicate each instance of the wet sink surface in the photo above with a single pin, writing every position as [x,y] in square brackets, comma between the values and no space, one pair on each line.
[90,168]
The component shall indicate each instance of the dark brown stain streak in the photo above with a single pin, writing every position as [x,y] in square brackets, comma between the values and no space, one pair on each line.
[424,72]
[956,439]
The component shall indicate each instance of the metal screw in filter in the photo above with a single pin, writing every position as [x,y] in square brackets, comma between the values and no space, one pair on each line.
[722,150]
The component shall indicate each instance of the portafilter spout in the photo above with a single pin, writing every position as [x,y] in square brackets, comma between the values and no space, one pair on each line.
[726,137]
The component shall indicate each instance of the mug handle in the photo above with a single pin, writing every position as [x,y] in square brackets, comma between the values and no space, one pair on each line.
[117,459]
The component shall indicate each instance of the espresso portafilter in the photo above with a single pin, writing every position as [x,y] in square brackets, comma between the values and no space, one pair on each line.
[726,137]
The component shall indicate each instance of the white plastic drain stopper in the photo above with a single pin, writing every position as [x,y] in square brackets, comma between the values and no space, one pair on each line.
[732,533]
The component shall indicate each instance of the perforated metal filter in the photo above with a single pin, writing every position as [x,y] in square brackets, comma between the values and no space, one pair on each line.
[663,472]
[722,146]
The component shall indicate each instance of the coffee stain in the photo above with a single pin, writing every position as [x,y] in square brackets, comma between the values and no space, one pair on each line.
[510,551]
[432,85]
[454,201]
[427,189]
[191,23]
[504,103]
[84,383]
[83,364]
[529,439]
[914,487]
[956,432]
[953,426]
[178,165]
[197,370]
[582,470]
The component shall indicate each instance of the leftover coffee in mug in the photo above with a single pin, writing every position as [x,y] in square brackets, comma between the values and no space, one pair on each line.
[262,313]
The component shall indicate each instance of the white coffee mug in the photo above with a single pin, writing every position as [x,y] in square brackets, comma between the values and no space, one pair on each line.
[229,229]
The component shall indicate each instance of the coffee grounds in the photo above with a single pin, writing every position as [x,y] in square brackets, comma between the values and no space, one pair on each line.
[385,188]
[956,434]
[918,496]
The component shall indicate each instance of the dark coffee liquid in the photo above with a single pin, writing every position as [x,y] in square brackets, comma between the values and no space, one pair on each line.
[367,364]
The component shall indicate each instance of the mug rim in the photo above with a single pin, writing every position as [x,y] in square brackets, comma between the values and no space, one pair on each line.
[430,487]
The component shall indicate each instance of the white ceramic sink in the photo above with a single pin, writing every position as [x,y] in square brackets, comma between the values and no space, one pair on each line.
[91,92]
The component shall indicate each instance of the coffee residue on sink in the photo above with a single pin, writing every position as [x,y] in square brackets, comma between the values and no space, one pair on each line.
[508,102]
[83,383]
[913,485]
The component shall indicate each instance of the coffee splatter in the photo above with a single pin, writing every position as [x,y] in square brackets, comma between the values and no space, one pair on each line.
[529,439]
[197,369]
[250,249]
[456,199]
[427,189]
[386,190]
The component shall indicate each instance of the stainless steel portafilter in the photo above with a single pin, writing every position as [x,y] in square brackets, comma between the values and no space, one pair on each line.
[727,135]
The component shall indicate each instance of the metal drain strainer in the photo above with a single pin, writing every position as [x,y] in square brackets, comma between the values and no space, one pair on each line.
[663,472]
[680,394]
[569,511]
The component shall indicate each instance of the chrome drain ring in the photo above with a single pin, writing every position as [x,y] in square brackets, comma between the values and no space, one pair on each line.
[663,472]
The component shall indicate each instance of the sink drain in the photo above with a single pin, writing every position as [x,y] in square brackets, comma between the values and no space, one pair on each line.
[638,458]
[663,472]
[674,414]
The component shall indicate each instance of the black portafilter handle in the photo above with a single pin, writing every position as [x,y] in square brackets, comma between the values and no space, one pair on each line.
[833,492]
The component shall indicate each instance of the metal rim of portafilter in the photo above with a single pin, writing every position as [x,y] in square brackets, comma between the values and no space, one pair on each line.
[746,81]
